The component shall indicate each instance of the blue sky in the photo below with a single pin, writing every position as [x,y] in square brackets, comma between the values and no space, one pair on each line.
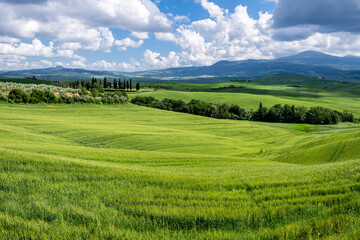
[153,34]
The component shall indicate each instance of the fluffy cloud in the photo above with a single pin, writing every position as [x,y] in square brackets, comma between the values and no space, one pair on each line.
[179,18]
[127,42]
[71,46]
[300,19]
[237,36]
[129,67]
[80,21]
[104,65]
[122,66]
[16,62]
[170,37]
[4,39]
[155,60]
[140,35]
[135,15]
[233,36]
[86,25]
[79,62]
[10,61]
[35,49]
[24,1]
[65,53]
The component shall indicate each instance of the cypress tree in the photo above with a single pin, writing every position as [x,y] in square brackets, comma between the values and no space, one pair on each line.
[124,84]
[137,86]
[105,83]
[127,85]
[130,84]
[115,84]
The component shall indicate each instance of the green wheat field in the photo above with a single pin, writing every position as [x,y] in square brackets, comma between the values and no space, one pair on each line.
[130,172]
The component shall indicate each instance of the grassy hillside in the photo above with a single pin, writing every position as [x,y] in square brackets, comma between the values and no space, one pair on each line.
[279,89]
[89,171]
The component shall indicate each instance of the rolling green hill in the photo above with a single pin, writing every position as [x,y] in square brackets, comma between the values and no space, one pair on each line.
[278,89]
[124,171]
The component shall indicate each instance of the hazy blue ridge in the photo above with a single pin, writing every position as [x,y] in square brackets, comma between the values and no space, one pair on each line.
[307,63]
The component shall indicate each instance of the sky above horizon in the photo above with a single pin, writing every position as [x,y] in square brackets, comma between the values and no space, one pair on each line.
[138,35]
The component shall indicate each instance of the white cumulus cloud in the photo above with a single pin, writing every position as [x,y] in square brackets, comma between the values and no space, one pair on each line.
[127,42]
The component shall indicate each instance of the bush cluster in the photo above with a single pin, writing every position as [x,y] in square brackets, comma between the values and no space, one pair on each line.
[17,95]
[277,113]
[28,88]
[292,114]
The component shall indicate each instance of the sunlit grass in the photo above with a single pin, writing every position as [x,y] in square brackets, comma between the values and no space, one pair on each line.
[129,172]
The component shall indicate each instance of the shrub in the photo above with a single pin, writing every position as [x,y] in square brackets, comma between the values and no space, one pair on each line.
[123,99]
[3,97]
[121,93]
[110,99]
[50,96]
[84,92]
[18,96]
[347,117]
[94,92]
[37,96]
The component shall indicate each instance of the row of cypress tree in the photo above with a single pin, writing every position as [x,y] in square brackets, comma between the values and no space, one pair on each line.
[105,84]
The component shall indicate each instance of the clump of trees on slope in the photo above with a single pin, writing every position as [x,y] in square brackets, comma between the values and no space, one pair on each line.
[17,95]
[277,113]
[75,92]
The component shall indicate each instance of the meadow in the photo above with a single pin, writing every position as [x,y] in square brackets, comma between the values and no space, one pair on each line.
[279,89]
[131,172]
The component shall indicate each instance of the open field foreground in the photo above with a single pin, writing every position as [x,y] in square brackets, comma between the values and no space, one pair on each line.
[130,172]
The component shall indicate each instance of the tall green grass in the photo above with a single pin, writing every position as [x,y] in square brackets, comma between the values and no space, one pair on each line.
[128,172]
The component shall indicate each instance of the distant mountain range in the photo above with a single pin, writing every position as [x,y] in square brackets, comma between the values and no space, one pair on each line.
[309,63]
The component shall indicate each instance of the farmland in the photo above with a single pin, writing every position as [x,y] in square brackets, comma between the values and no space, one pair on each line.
[125,171]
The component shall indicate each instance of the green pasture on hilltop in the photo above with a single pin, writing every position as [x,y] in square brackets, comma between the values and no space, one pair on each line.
[130,172]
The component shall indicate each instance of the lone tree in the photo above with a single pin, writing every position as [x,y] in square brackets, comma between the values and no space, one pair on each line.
[115,84]
[137,86]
